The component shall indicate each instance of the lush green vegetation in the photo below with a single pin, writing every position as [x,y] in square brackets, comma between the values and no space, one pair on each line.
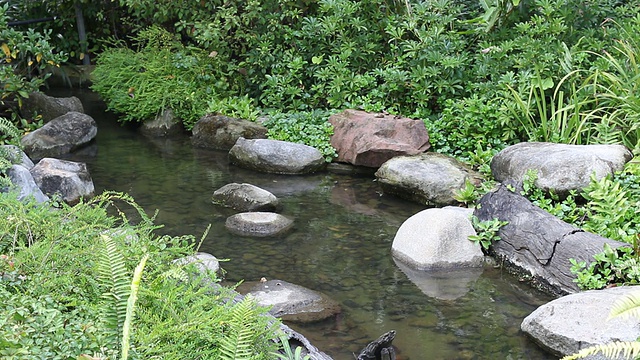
[25,58]
[66,289]
[481,74]
[608,207]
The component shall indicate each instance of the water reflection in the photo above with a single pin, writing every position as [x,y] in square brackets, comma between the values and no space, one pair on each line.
[340,245]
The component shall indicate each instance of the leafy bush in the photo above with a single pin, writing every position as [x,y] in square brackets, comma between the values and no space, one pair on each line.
[610,211]
[9,135]
[310,128]
[487,231]
[466,123]
[102,19]
[57,298]
[237,107]
[27,55]
[163,74]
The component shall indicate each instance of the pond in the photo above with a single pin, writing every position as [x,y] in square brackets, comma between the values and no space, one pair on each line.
[340,245]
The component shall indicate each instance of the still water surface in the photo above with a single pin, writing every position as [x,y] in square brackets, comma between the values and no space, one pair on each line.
[340,246]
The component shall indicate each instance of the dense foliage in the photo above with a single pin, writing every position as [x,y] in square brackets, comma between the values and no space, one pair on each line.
[481,74]
[65,272]
[24,61]
[611,210]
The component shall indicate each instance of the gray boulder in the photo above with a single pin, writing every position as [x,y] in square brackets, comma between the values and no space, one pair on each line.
[245,197]
[18,156]
[438,239]
[274,156]
[291,302]
[49,107]
[70,180]
[370,139]
[26,186]
[203,261]
[221,132]
[560,167]
[536,244]
[577,321]
[430,179]
[258,224]
[164,124]
[60,136]
[20,176]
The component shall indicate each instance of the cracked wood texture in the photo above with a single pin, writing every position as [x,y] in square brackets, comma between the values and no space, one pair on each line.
[536,244]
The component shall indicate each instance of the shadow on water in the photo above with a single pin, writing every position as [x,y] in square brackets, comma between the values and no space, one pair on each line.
[340,246]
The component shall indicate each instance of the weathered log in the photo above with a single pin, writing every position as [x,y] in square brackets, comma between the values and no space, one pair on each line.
[378,348]
[536,244]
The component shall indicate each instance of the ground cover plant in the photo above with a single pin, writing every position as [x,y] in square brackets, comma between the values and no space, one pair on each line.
[67,284]
[608,207]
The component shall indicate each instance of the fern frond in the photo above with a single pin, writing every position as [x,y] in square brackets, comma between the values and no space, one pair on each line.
[628,349]
[237,343]
[113,275]
[626,306]
[9,132]
[177,273]
[131,303]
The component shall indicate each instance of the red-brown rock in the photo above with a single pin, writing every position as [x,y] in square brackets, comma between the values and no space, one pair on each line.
[370,139]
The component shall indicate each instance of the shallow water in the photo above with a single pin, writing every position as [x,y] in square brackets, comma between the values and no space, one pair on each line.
[340,245]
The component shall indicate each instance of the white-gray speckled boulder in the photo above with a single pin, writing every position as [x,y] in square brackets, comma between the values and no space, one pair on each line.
[71,180]
[258,224]
[245,197]
[429,178]
[274,156]
[60,136]
[560,167]
[438,239]
[577,321]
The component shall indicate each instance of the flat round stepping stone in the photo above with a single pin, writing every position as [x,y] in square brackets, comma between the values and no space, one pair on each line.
[291,302]
[259,224]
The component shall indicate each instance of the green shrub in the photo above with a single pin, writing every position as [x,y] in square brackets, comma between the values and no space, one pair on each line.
[25,58]
[58,294]
[236,107]
[310,128]
[610,211]
[161,75]
[466,123]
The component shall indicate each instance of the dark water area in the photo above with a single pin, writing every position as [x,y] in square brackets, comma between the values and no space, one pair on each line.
[340,245]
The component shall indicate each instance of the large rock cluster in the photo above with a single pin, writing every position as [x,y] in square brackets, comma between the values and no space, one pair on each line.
[68,129]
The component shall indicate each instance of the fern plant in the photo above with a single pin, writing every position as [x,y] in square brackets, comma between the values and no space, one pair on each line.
[239,335]
[626,306]
[611,212]
[131,303]
[122,295]
[113,275]
[9,134]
